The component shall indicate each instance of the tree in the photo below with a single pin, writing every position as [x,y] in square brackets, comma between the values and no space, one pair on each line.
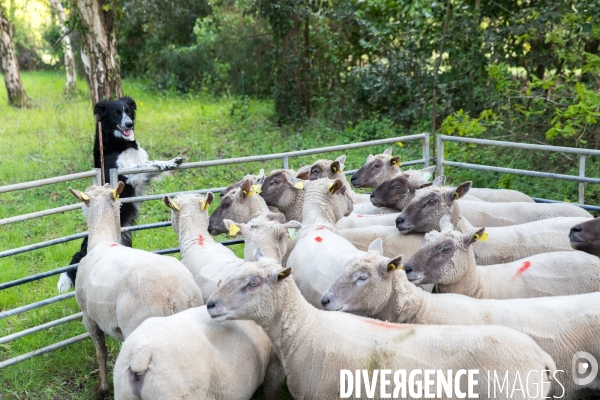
[99,50]
[12,77]
[66,42]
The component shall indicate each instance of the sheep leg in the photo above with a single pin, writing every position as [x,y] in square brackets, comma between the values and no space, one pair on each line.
[274,377]
[101,353]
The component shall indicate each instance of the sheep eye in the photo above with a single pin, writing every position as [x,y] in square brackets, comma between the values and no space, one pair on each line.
[277,181]
[377,165]
[431,202]
[226,204]
[445,250]
[253,284]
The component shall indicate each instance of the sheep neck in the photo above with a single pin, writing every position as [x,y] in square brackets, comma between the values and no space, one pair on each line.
[292,321]
[389,173]
[406,303]
[103,224]
[318,211]
[456,218]
[190,227]
[470,284]
[291,204]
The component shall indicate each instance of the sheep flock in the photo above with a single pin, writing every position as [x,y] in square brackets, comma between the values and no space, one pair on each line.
[416,290]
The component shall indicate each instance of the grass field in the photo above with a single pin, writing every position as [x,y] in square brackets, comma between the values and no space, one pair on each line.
[56,138]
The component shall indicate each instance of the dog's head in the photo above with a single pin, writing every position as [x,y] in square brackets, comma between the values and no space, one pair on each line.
[117,118]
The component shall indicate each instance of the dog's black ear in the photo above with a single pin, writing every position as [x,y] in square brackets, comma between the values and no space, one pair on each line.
[131,104]
[100,109]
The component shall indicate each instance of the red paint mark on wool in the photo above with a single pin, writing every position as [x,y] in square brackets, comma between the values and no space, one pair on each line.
[359,215]
[319,239]
[319,229]
[114,244]
[200,240]
[524,268]
[383,324]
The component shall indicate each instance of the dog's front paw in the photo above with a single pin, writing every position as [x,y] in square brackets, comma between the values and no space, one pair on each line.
[177,160]
[171,164]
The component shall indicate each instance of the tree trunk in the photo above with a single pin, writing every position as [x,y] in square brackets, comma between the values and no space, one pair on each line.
[99,51]
[10,66]
[66,43]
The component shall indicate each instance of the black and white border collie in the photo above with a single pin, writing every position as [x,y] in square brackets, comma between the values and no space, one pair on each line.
[120,151]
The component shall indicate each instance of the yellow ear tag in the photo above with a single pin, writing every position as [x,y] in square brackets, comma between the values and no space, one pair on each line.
[233,229]
[476,237]
[334,169]
[389,156]
[204,205]
[257,188]
[391,267]
[400,144]
[282,274]
[85,196]
[455,195]
[174,205]
[401,266]
[484,237]
[443,188]
[330,190]
[115,194]
[292,233]
[299,185]
[340,171]
[396,163]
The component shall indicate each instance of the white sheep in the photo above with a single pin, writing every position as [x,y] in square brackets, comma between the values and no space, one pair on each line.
[447,260]
[209,261]
[118,287]
[335,170]
[189,356]
[426,209]
[383,167]
[315,346]
[376,286]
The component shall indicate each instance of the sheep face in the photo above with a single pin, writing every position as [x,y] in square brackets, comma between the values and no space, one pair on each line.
[254,180]
[101,203]
[254,293]
[586,237]
[366,286]
[189,209]
[275,186]
[425,211]
[396,193]
[327,169]
[268,232]
[233,206]
[376,170]
[444,257]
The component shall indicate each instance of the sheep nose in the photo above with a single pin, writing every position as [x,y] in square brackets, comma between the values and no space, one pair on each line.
[353,179]
[325,301]
[576,228]
[210,304]
[399,220]
[408,269]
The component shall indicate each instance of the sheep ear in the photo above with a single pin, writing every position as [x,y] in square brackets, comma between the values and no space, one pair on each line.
[205,203]
[439,182]
[291,229]
[275,217]
[284,273]
[393,264]
[445,223]
[377,246]
[295,182]
[258,254]
[170,203]
[395,161]
[304,174]
[246,188]
[233,227]
[388,151]
[120,187]
[336,166]
[424,185]
[335,186]
[473,236]
[81,196]
[260,179]
[459,192]
[341,159]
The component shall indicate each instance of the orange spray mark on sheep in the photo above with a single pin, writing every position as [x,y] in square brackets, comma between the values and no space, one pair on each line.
[524,268]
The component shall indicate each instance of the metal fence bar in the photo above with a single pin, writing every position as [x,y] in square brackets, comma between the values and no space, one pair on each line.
[38,304]
[38,328]
[582,174]
[37,277]
[521,172]
[38,214]
[48,181]
[439,165]
[286,162]
[43,350]
[527,146]
[274,156]
[426,150]
[584,206]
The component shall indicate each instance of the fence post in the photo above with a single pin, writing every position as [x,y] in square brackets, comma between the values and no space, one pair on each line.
[582,175]
[114,177]
[440,156]
[98,177]
[426,150]
[286,162]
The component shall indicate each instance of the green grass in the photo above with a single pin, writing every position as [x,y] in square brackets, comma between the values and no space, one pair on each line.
[56,138]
